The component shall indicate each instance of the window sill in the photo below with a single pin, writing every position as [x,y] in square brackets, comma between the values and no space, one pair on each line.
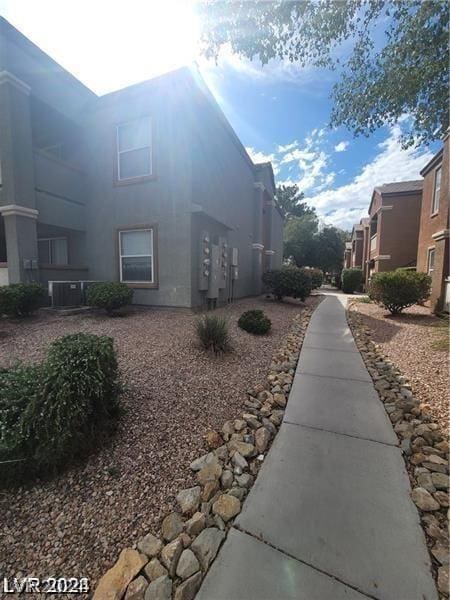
[134,180]
[62,267]
[143,285]
[434,214]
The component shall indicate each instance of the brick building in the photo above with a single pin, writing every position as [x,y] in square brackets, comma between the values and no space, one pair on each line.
[433,243]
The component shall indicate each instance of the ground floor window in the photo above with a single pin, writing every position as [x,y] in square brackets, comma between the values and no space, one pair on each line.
[430,263]
[53,251]
[136,256]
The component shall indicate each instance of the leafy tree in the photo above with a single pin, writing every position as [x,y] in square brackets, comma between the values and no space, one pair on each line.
[398,64]
[290,200]
[328,250]
[299,235]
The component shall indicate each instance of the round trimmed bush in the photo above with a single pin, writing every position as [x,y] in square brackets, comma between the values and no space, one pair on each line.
[351,280]
[288,281]
[109,295]
[21,299]
[396,290]
[316,277]
[255,321]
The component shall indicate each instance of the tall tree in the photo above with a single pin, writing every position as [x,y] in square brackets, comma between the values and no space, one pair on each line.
[328,250]
[299,235]
[290,200]
[398,65]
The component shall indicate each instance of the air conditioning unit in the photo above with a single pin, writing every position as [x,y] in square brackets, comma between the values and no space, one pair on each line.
[65,293]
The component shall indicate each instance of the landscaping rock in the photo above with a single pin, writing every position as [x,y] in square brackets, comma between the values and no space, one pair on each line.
[154,569]
[245,480]
[211,487]
[280,400]
[198,463]
[160,589]
[213,439]
[424,480]
[209,472]
[172,526]
[442,498]
[237,492]
[240,424]
[243,448]
[443,580]
[423,499]
[226,480]
[440,481]
[440,553]
[189,499]
[196,524]
[150,545]
[114,582]
[227,507]
[262,438]
[206,545]
[188,589]
[187,565]
[170,555]
[239,461]
[277,417]
[269,426]
[136,589]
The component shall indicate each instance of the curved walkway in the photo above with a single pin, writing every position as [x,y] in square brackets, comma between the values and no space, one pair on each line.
[330,515]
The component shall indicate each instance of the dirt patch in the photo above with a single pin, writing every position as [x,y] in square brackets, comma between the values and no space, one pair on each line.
[77,523]
[417,343]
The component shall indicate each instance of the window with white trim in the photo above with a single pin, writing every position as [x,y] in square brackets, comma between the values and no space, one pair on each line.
[53,251]
[437,190]
[430,261]
[136,256]
[134,149]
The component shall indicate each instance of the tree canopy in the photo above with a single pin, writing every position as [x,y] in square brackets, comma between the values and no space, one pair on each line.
[398,64]
[290,198]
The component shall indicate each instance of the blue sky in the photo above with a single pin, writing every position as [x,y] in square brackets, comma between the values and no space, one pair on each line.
[280,111]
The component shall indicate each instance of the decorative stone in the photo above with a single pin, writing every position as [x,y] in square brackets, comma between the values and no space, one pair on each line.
[442,498]
[198,463]
[213,439]
[188,589]
[226,481]
[150,545]
[170,555]
[245,480]
[440,481]
[443,579]
[424,480]
[189,499]
[211,487]
[195,524]
[160,589]
[423,499]
[154,569]
[136,589]
[262,438]
[251,420]
[280,400]
[222,453]
[269,426]
[440,553]
[237,492]
[240,424]
[206,545]
[243,448]
[172,526]
[227,507]
[114,582]
[187,565]
[277,417]
[209,472]
[239,461]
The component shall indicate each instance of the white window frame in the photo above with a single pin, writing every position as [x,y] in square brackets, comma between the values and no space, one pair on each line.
[119,151]
[51,239]
[431,251]
[436,201]
[152,255]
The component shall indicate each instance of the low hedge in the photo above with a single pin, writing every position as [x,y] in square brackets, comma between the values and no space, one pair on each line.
[396,290]
[21,299]
[109,295]
[255,321]
[54,412]
[351,280]
[316,277]
[288,281]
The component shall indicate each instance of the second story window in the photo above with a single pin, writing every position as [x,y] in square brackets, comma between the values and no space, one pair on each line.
[437,191]
[134,149]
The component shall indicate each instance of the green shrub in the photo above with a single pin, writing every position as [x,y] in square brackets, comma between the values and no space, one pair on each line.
[21,299]
[351,280]
[54,412]
[255,321]
[316,277]
[396,290]
[212,331]
[109,295]
[288,281]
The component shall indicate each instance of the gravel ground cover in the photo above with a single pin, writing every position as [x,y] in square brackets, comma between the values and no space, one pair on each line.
[77,523]
[417,343]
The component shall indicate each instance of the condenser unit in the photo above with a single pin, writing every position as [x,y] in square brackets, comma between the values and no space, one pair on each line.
[65,293]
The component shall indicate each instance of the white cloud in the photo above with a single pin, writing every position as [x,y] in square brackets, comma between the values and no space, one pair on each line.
[287,147]
[261,157]
[345,205]
[341,147]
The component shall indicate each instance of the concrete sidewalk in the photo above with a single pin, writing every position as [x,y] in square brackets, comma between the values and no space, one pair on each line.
[330,515]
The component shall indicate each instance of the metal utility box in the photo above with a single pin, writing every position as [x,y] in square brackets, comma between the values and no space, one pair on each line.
[204,261]
[213,288]
[65,293]
[223,267]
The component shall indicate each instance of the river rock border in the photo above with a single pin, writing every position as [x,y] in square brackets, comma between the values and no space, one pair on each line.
[425,448]
[173,564]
